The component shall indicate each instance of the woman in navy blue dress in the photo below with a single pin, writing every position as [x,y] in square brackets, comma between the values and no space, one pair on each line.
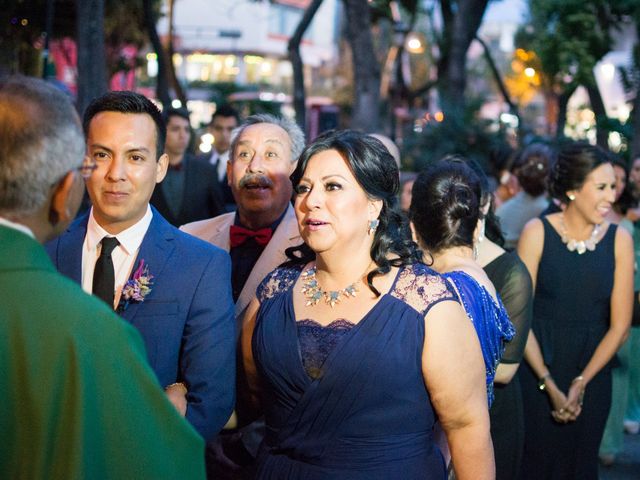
[582,271]
[355,347]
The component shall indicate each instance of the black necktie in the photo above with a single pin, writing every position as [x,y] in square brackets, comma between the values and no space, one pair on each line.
[103,276]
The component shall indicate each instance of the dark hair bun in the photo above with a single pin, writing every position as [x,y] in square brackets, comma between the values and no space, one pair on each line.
[457,201]
[445,205]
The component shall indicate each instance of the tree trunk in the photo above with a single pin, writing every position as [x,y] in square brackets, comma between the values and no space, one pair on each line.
[170,66]
[563,102]
[513,108]
[635,119]
[634,116]
[366,69]
[162,84]
[92,68]
[296,62]
[597,105]
[465,20]
[551,112]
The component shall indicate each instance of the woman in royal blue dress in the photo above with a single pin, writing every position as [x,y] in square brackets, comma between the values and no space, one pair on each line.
[355,347]
[445,209]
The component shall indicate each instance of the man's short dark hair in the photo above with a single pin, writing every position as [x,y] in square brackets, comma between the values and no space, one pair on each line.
[225,110]
[175,112]
[127,102]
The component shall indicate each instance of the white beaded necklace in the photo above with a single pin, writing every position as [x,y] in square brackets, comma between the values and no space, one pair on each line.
[580,246]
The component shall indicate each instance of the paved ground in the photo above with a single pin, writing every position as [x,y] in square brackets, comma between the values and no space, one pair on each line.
[627,465]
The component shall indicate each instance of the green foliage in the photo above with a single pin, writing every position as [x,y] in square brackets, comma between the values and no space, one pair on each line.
[569,37]
[124,25]
[467,135]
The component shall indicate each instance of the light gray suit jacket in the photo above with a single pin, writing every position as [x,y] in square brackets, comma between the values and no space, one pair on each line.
[216,231]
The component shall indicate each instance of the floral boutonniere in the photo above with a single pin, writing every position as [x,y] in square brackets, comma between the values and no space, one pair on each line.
[137,287]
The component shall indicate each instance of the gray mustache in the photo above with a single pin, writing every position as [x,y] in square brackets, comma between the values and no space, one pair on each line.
[256,179]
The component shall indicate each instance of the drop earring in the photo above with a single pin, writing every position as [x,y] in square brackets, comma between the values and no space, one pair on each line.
[373,225]
[481,228]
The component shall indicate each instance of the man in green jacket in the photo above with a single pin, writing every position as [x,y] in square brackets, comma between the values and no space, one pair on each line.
[79,400]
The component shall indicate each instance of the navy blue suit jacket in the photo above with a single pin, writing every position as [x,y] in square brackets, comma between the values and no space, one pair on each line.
[187,319]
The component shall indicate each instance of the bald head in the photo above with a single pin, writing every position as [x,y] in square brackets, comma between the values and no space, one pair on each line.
[391,146]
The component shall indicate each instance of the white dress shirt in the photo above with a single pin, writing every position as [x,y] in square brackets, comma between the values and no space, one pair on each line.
[17,226]
[219,160]
[122,256]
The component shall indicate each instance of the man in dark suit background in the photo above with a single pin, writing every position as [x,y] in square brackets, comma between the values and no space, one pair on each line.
[223,122]
[171,286]
[79,399]
[190,191]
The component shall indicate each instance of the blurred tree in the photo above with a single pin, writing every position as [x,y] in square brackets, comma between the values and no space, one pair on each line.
[631,83]
[366,69]
[123,25]
[456,128]
[461,20]
[569,37]
[173,78]
[22,28]
[151,15]
[92,73]
[296,62]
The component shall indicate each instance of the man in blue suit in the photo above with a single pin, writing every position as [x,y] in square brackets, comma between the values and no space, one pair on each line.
[174,288]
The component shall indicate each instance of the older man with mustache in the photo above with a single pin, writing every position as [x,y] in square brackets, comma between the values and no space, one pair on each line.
[264,153]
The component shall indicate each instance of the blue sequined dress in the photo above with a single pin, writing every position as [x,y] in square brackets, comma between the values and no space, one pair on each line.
[348,401]
[489,318]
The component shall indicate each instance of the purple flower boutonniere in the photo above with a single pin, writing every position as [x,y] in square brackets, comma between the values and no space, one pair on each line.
[138,286]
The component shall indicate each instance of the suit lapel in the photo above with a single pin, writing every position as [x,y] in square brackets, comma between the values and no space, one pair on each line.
[220,236]
[285,236]
[69,252]
[156,249]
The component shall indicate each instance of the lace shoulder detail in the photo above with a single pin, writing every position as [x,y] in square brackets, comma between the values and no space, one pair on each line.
[421,288]
[278,281]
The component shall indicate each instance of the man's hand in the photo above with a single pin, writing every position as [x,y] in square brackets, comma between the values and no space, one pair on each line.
[177,395]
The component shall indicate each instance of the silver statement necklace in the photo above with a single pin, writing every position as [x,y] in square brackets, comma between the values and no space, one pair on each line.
[580,246]
[312,290]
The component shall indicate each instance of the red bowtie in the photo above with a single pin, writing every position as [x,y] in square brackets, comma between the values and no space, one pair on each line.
[239,235]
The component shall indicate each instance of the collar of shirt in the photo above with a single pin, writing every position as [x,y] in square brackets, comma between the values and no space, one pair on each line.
[219,160]
[17,226]
[123,256]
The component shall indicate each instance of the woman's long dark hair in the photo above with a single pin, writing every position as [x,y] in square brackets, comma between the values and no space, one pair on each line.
[376,172]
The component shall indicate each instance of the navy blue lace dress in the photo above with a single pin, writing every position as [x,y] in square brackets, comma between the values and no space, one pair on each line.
[348,401]
[490,319]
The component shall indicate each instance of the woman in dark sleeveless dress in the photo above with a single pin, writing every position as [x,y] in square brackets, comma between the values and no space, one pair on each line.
[513,283]
[582,269]
[355,347]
